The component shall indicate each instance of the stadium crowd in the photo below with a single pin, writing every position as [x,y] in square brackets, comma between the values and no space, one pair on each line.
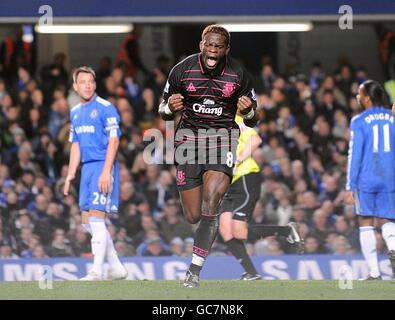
[303,159]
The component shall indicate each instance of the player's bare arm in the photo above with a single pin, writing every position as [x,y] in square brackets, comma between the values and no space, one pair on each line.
[75,156]
[393,109]
[104,182]
[249,149]
[174,104]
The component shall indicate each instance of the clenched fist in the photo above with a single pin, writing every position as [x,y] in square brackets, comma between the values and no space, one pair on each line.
[244,105]
[175,102]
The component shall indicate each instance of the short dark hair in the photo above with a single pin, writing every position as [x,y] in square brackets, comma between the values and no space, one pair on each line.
[83,69]
[375,91]
[216,28]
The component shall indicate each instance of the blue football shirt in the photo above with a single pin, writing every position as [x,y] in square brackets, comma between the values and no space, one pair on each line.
[91,126]
[371,155]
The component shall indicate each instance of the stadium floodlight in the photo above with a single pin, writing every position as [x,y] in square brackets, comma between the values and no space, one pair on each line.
[269,27]
[84,28]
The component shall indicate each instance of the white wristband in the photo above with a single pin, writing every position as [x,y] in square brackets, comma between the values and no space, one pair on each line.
[249,115]
[167,110]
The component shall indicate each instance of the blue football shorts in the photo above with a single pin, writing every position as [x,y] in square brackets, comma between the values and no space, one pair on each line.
[90,197]
[380,204]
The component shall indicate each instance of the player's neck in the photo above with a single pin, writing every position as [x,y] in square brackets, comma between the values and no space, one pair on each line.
[84,101]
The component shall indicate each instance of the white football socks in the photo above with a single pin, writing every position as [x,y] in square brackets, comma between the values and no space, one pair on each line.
[367,239]
[388,232]
[197,260]
[111,253]
[99,244]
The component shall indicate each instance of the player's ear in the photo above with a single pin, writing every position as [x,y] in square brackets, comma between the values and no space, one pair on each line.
[201,45]
[75,86]
[227,50]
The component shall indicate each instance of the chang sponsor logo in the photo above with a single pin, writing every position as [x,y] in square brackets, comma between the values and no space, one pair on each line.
[208,102]
[200,108]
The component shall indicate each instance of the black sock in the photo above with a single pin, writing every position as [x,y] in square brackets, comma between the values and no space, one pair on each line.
[195,269]
[204,238]
[261,230]
[239,250]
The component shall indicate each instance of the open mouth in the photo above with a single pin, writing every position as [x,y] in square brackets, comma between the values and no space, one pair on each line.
[211,62]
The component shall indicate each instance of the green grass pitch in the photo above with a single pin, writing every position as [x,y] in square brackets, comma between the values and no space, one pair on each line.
[209,290]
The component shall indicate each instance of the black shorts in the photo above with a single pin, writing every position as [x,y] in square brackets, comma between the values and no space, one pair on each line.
[196,161]
[190,176]
[242,196]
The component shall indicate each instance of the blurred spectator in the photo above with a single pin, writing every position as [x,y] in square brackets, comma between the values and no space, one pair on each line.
[262,246]
[147,109]
[320,226]
[298,216]
[54,75]
[121,235]
[173,224]
[344,79]
[264,82]
[58,116]
[177,246]
[23,220]
[341,246]
[342,226]
[316,76]
[6,251]
[24,162]
[24,239]
[156,248]
[39,252]
[157,80]
[56,217]
[309,203]
[60,246]
[151,233]
[330,189]
[147,225]
[123,249]
[329,84]
[33,242]
[102,73]
[81,244]
[312,245]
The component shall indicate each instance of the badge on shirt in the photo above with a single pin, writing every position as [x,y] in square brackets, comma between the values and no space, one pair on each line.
[229,89]
[94,114]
